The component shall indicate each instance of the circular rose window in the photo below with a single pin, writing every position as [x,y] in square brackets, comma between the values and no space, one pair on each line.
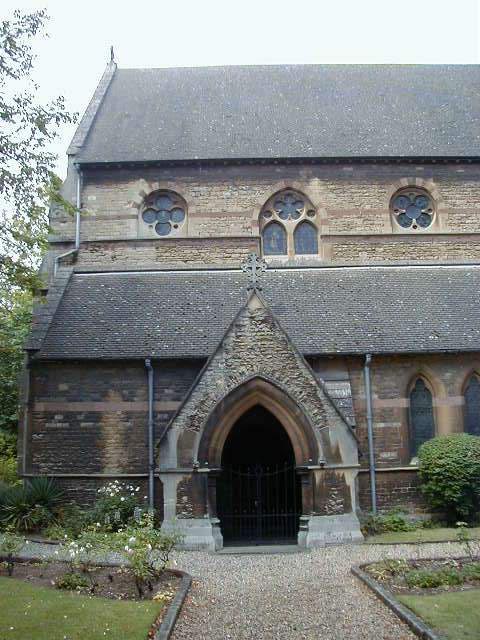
[412,209]
[165,212]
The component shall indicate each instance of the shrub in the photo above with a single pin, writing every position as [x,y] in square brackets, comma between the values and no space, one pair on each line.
[8,470]
[471,571]
[449,468]
[116,505]
[72,582]
[71,520]
[375,524]
[426,579]
[10,545]
[30,506]
[8,444]
[387,568]
[146,549]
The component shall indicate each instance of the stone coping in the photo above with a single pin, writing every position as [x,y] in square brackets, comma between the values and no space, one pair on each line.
[416,624]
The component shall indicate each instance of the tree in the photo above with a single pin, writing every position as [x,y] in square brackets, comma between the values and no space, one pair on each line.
[14,327]
[27,181]
[27,186]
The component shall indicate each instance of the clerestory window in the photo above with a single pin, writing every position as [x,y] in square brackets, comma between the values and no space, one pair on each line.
[165,212]
[412,209]
[287,225]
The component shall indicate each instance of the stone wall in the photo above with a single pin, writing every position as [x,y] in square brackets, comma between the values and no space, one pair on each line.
[352,203]
[91,418]
[391,378]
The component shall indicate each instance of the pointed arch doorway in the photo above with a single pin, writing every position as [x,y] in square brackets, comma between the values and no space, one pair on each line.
[258,492]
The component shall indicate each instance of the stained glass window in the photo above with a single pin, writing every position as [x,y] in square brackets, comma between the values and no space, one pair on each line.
[164,211]
[287,223]
[306,239]
[472,406]
[413,209]
[422,424]
[274,240]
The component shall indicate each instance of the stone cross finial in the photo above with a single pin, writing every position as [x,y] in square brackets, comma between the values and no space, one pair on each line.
[254,266]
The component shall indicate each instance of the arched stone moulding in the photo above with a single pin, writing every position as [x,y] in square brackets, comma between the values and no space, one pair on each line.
[254,391]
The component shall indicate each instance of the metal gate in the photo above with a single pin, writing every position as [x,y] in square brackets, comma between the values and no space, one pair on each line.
[259,504]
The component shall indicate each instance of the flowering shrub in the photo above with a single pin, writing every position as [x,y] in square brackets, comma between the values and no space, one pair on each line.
[10,545]
[116,505]
[81,556]
[147,551]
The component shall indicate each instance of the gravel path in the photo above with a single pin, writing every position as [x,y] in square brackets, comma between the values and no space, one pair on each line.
[301,595]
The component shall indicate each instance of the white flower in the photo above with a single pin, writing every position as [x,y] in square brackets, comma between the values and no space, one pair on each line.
[127,548]
[132,539]
[122,499]
[149,547]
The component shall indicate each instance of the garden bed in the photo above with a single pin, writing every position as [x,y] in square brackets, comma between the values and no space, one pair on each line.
[421,535]
[106,605]
[436,597]
[110,581]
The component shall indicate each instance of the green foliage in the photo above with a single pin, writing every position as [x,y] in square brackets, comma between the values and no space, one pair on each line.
[8,470]
[449,468]
[10,545]
[116,506]
[15,321]
[146,550]
[464,537]
[425,579]
[395,520]
[8,440]
[72,582]
[27,129]
[387,568]
[70,521]
[471,571]
[30,506]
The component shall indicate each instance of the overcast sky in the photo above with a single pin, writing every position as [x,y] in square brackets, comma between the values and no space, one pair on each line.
[223,32]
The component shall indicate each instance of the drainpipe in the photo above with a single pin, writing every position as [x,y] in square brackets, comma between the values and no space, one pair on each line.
[26,409]
[78,204]
[371,453]
[151,459]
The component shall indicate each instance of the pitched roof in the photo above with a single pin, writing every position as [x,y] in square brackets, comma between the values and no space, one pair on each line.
[288,111]
[324,310]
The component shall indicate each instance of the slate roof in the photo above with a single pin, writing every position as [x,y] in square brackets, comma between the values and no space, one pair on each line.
[288,111]
[325,311]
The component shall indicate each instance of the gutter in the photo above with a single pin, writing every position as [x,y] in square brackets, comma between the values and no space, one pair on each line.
[78,204]
[151,458]
[371,453]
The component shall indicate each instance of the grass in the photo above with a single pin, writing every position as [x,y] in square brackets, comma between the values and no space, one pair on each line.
[437,534]
[37,613]
[455,615]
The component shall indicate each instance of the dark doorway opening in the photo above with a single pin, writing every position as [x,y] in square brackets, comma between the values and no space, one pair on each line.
[258,492]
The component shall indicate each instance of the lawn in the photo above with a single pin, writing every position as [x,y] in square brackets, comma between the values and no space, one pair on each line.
[420,535]
[455,615]
[38,613]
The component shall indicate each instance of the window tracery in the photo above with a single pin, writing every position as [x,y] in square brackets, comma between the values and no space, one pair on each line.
[287,225]
[413,208]
[165,212]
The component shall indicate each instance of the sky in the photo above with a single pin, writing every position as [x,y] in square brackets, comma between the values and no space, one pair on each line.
[182,33]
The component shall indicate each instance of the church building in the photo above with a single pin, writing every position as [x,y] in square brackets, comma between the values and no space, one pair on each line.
[267,299]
